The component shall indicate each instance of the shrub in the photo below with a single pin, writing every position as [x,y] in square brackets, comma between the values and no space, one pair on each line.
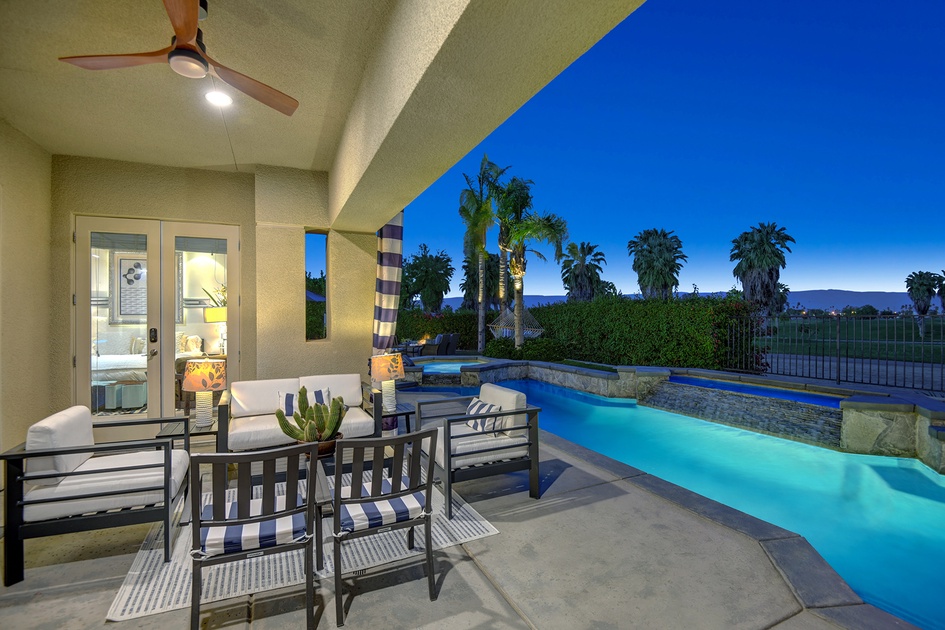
[416,324]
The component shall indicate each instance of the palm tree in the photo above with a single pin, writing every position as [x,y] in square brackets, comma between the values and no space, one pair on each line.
[470,282]
[921,286]
[475,209]
[941,290]
[512,202]
[581,271]
[429,277]
[657,260]
[760,256]
[548,228]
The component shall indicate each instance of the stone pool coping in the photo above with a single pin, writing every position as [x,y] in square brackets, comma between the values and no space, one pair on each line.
[815,584]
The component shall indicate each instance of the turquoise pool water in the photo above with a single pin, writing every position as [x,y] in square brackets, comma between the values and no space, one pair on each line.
[445,367]
[879,521]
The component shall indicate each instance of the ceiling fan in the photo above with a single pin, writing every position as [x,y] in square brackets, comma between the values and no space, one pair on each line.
[188,57]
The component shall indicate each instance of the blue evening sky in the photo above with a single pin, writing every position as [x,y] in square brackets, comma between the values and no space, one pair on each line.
[707,118]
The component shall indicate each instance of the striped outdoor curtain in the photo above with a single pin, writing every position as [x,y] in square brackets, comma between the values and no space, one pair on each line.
[390,248]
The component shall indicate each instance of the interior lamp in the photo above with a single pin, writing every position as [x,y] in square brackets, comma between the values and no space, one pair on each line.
[203,377]
[385,369]
[217,315]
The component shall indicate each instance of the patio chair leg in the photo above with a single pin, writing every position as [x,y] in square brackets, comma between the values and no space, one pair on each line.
[195,597]
[319,551]
[339,596]
[448,495]
[309,588]
[534,485]
[410,538]
[13,518]
[428,534]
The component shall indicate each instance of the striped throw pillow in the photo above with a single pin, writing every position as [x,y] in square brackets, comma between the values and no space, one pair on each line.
[477,407]
[289,401]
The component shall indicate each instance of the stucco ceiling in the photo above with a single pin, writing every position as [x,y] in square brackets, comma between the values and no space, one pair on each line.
[313,50]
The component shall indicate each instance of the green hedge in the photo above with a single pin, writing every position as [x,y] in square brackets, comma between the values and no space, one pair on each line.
[691,333]
[415,324]
[677,333]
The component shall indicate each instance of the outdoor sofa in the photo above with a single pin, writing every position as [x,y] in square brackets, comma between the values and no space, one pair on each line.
[247,415]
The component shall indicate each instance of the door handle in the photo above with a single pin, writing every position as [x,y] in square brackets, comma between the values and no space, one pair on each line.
[152,353]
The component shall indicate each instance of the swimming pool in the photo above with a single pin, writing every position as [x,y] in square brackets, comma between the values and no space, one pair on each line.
[879,521]
[444,367]
[825,400]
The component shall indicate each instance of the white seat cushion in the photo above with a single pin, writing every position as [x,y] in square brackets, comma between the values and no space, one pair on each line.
[127,480]
[71,427]
[357,423]
[480,441]
[251,432]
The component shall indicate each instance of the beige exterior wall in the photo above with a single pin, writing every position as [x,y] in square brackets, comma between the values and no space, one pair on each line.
[27,391]
[288,203]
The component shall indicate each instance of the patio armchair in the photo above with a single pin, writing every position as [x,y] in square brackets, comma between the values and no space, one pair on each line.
[59,481]
[391,488]
[451,344]
[432,348]
[494,433]
[251,520]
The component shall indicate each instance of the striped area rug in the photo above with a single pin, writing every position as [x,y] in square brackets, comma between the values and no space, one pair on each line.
[153,586]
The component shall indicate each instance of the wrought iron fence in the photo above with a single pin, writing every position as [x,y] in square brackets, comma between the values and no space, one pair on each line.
[902,351]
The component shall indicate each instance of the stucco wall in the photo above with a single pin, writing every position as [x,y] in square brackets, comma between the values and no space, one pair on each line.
[289,202]
[108,188]
[27,391]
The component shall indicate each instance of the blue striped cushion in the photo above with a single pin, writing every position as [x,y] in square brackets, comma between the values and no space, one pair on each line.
[222,539]
[357,517]
[476,407]
[288,401]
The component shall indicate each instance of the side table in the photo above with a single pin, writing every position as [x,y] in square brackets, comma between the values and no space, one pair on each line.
[174,428]
[389,419]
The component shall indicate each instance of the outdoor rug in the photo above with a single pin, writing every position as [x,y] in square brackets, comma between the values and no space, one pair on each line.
[153,586]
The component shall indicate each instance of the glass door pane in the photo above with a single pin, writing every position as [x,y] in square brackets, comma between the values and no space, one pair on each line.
[202,331]
[114,356]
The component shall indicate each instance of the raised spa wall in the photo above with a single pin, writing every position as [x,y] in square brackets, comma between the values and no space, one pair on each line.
[905,424]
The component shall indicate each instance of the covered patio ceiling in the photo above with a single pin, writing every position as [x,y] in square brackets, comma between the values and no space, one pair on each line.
[392,93]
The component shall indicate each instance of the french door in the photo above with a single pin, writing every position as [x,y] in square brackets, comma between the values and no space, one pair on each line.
[150,295]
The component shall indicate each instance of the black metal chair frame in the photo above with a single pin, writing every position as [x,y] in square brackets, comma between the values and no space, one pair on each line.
[390,454]
[450,474]
[219,480]
[16,530]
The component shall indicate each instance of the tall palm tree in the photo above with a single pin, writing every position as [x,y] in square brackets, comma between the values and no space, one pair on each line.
[475,209]
[513,200]
[760,256]
[657,261]
[548,228]
[941,291]
[921,286]
[581,271]
[469,285]
[429,275]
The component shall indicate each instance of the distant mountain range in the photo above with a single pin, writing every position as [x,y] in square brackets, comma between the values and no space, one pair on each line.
[818,298]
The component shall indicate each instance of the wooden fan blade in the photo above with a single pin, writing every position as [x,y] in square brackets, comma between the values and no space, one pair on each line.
[110,62]
[183,15]
[259,91]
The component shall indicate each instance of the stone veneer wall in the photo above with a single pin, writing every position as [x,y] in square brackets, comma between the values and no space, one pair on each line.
[789,419]
[894,427]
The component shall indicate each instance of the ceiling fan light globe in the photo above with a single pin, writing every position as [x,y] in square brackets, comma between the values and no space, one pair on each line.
[187,63]
[219,99]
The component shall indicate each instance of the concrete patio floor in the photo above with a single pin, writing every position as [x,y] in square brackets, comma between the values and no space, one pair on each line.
[606,546]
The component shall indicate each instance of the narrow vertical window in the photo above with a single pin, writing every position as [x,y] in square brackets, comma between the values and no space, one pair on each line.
[316,293]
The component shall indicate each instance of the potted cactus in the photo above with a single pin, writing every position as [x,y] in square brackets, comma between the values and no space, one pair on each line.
[314,423]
